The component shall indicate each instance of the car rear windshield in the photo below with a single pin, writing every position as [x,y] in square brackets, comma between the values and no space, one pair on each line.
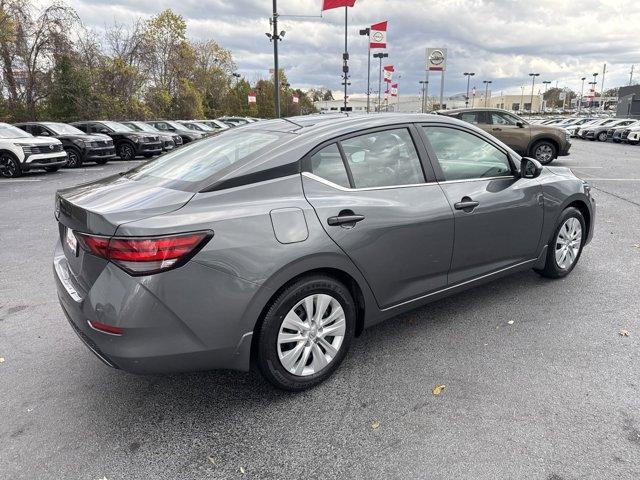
[193,166]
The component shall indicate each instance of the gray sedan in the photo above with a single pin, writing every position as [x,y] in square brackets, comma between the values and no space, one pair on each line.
[276,244]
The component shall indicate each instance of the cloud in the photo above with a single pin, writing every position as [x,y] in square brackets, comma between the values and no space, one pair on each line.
[500,40]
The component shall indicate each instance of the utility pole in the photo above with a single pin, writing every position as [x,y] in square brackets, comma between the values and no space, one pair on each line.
[423,84]
[604,71]
[468,75]
[581,94]
[594,83]
[546,86]
[521,106]
[533,83]
[631,75]
[367,32]
[275,37]
[486,90]
[380,56]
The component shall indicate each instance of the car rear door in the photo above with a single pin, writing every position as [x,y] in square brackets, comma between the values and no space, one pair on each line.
[375,199]
[510,130]
[498,215]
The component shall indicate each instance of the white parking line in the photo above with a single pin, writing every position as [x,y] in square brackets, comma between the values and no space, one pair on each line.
[21,180]
[615,179]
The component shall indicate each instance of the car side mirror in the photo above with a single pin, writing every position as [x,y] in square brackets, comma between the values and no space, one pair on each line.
[530,168]
[520,124]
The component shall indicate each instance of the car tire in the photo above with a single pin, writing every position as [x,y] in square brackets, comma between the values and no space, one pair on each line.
[126,151]
[544,151]
[309,349]
[602,137]
[51,169]
[9,166]
[564,239]
[74,159]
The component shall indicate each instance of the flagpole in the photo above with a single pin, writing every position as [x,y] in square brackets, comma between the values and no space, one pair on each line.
[345,68]
[368,74]
[380,86]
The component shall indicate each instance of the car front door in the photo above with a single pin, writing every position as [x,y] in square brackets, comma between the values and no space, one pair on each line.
[372,197]
[498,215]
[510,130]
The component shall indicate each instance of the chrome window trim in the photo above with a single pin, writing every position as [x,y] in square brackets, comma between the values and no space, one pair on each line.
[386,187]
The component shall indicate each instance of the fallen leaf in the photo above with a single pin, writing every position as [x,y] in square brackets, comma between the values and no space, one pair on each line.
[211,459]
[242,470]
[510,322]
[438,390]
[375,424]
[623,333]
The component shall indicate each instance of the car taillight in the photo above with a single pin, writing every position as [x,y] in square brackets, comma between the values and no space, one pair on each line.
[146,255]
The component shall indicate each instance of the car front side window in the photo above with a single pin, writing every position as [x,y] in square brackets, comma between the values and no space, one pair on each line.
[384,158]
[465,156]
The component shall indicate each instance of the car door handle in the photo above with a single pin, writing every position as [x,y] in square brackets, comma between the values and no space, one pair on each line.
[466,204]
[344,219]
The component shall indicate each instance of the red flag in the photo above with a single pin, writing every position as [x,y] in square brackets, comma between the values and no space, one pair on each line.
[329,4]
[378,35]
[388,73]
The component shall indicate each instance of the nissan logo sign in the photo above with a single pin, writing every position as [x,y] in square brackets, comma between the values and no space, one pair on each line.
[437,57]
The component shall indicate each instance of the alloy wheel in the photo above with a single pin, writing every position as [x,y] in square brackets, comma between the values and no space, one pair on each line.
[311,335]
[8,167]
[73,159]
[544,153]
[126,152]
[568,243]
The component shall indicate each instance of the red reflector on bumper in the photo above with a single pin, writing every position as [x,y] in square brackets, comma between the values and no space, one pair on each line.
[104,328]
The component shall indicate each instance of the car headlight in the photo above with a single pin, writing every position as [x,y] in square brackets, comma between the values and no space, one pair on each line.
[81,143]
[134,139]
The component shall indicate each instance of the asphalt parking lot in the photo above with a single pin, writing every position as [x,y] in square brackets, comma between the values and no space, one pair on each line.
[553,395]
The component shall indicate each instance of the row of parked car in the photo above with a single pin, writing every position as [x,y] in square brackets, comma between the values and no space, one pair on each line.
[52,145]
[618,130]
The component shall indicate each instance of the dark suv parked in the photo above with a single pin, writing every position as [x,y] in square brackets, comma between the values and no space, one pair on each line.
[79,146]
[542,142]
[129,143]
[169,140]
[170,126]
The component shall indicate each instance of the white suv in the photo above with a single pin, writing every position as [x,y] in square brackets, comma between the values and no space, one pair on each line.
[20,152]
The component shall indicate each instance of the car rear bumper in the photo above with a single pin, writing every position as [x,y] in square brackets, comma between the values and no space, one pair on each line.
[182,333]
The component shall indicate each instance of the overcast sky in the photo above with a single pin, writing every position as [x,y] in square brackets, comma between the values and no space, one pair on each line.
[500,40]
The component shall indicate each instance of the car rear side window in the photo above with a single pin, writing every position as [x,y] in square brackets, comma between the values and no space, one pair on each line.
[328,164]
[464,156]
[472,117]
[382,159]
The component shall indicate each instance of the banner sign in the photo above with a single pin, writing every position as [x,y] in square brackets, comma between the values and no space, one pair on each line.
[251,97]
[388,73]
[394,89]
[378,35]
[436,59]
[296,98]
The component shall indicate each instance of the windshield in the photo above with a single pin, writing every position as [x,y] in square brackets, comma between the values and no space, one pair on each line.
[117,127]
[63,129]
[141,127]
[200,160]
[9,131]
[176,125]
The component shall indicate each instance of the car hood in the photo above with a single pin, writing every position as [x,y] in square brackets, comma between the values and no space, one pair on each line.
[101,207]
[36,140]
[548,129]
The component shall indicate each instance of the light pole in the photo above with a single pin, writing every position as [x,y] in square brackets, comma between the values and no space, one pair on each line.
[468,75]
[595,83]
[546,86]
[367,32]
[581,93]
[521,105]
[380,56]
[486,90]
[533,82]
[275,37]
[423,84]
